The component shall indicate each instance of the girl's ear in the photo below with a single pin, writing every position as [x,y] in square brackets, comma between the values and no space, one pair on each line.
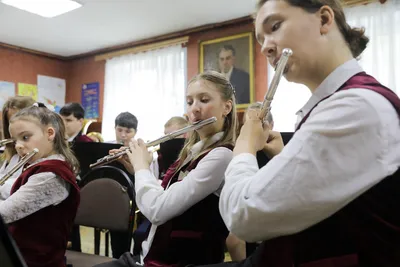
[51,133]
[227,107]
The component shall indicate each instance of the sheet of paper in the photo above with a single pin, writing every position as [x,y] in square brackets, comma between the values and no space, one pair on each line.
[51,91]
[26,89]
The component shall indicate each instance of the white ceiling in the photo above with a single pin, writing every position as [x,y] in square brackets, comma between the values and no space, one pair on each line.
[104,23]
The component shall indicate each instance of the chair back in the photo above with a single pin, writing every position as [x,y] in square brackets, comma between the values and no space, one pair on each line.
[107,201]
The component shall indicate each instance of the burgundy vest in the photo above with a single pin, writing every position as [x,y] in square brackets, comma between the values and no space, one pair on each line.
[82,138]
[195,237]
[364,233]
[42,236]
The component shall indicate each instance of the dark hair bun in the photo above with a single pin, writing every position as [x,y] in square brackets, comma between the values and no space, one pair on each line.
[357,40]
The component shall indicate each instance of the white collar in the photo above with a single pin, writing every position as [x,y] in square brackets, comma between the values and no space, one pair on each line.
[198,147]
[54,156]
[73,137]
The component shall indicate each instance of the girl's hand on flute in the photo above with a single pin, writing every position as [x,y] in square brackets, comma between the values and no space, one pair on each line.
[138,155]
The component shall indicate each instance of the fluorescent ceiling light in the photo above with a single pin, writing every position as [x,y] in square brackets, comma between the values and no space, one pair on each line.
[44,8]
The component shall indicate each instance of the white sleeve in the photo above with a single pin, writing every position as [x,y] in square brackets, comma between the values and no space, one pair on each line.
[5,189]
[345,147]
[41,190]
[159,205]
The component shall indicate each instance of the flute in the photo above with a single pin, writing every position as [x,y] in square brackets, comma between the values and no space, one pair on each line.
[110,158]
[19,165]
[269,96]
[6,141]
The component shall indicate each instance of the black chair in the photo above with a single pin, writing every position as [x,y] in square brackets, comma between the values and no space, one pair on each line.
[107,202]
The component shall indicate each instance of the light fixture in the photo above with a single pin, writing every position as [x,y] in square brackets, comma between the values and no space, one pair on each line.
[44,8]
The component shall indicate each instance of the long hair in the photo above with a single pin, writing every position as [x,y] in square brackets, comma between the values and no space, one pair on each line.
[17,103]
[230,124]
[355,37]
[44,117]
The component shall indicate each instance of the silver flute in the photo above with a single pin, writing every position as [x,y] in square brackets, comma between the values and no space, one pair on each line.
[197,125]
[279,71]
[19,165]
[6,141]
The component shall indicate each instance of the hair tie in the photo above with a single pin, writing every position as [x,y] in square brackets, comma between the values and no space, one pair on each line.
[39,105]
[233,89]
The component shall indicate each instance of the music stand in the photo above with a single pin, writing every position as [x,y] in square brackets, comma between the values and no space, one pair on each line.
[10,256]
[286,136]
[89,152]
[170,151]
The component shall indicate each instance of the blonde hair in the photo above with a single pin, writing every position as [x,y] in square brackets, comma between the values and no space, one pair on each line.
[230,124]
[96,135]
[44,117]
[18,103]
[180,121]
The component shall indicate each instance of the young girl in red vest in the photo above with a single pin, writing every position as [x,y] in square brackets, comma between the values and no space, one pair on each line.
[329,197]
[186,224]
[44,199]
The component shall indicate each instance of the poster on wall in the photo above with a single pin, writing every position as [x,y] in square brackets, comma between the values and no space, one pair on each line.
[90,100]
[51,91]
[26,89]
[7,90]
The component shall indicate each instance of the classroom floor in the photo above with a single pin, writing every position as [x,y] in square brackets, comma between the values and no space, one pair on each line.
[87,242]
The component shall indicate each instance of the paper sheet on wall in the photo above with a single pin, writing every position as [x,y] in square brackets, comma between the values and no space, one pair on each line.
[7,90]
[51,91]
[25,89]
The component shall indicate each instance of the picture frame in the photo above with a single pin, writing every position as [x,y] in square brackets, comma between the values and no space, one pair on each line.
[234,57]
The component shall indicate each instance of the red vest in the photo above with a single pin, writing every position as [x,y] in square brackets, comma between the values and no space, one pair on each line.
[42,236]
[195,237]
[82,138]
[364,233]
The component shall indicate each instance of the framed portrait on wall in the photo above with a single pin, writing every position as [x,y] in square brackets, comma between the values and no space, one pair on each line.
[232,56]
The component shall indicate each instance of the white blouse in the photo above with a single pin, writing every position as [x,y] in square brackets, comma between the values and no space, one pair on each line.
[41,190]
[350,142]
[159,205]
[6,188]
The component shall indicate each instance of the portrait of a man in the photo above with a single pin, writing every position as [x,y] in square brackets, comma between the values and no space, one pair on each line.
[240,79]
[233,57]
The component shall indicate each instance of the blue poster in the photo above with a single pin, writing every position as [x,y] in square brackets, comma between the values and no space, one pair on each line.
[90,100]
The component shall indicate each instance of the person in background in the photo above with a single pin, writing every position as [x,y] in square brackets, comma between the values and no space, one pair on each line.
[11,157]
[126,125]
[96,137]
[158,166]
[73,115]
